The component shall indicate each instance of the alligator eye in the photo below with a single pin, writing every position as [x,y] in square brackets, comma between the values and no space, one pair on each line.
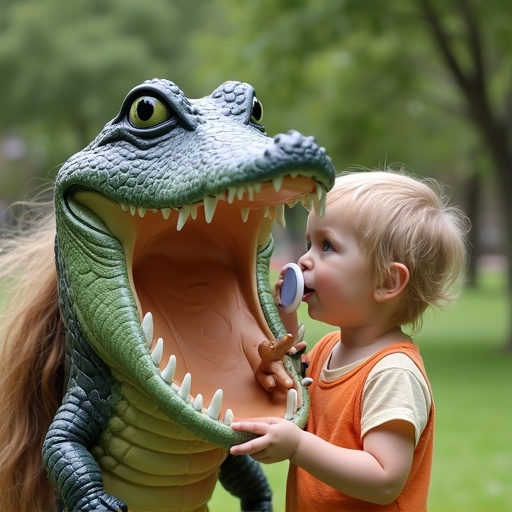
[256,111]
[148,111]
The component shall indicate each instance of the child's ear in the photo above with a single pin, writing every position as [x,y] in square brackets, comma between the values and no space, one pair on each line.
[395,285]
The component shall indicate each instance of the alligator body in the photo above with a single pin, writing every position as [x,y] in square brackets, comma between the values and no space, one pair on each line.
[163,247]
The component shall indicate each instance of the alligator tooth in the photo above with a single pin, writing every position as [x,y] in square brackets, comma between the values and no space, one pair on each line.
[277,183]
[320,191]
[133,210]
[198,402]
[168,372]
[228,417]
[147,328]
[193,212]
[307,381]
[184,390]
[280,215]
[231,194]
[166,212]
[294,174]
[215,405]
[307,201]
[240,192]
[182,219]
[266,211]
[124,207]
[210,205]
[323,205]
[142,211]
[250,192]
[158,351]
[245,213]
[257,187]
[291,404]
[319,200]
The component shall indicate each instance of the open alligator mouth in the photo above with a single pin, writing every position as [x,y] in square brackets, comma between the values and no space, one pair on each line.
[192,272]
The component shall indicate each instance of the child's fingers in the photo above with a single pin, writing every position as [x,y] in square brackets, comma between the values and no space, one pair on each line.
[253,427]
[277,290]
[265,380]
[282,375]
[243,449]
[297,347]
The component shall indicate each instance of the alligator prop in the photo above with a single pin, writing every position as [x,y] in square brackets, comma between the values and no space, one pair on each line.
[163,244]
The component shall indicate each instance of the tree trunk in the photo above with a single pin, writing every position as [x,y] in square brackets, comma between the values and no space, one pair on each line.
[472,81]
[473,213]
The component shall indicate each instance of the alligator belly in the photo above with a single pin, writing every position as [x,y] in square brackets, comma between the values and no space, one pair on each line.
[153,463]
[191,497]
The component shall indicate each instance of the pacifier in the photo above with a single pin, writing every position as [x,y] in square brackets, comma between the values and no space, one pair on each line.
[292,289]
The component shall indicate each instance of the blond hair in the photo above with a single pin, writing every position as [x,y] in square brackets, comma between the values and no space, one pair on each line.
[32,352]
[405,219]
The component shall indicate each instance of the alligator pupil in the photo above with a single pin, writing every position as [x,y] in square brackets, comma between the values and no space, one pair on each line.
[257,111]
[145,109]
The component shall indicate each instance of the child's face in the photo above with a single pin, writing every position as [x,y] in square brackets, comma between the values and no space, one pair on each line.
[339,285]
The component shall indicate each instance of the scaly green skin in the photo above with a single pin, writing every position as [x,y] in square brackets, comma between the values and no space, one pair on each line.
[116,400]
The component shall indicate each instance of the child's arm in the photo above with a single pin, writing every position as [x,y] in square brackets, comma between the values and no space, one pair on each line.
[376,474]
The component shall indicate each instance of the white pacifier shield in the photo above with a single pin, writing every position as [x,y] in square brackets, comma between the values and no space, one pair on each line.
[292,289]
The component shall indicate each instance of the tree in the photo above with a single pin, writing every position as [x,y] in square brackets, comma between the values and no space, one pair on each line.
[425,82]
[66,66]
[483,45]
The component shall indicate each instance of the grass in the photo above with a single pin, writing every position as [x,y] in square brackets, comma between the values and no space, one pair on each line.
[472,382]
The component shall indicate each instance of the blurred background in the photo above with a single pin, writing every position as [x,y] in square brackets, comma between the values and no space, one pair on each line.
[420,83]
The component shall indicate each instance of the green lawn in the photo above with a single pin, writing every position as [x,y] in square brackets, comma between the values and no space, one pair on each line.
[472,382]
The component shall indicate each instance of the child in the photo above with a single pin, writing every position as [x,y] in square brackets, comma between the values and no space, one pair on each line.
[387,248]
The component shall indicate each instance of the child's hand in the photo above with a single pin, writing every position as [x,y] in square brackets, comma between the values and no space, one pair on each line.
[271,371]
[279,439]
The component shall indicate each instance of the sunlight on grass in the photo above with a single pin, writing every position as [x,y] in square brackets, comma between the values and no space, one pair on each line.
[472,381]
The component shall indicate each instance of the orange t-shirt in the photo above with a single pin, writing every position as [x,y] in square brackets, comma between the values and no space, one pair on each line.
[336,417]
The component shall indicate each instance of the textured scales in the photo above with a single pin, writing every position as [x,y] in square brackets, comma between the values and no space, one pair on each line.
[163,248]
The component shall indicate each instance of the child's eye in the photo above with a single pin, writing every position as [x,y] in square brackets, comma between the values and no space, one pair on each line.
[308,246]
[327,246]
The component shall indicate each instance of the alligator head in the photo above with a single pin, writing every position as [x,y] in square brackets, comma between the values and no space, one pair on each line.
[164,240]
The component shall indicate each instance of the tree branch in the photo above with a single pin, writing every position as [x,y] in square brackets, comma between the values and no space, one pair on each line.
[474,42]
[442,40]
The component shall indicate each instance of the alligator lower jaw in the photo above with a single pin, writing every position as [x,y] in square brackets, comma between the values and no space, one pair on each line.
[199,284]
[198,280]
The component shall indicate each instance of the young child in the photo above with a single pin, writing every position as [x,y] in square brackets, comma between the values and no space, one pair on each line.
[388,247]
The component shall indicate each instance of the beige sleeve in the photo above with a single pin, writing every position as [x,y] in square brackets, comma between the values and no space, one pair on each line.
[395,390]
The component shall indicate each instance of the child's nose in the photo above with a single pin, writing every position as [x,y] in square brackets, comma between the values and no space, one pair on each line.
[304,261]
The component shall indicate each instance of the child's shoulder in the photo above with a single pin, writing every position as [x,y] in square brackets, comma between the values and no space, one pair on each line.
[324,344]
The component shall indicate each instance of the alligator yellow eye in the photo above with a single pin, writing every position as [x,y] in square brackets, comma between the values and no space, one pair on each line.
[147,111]
[256,111]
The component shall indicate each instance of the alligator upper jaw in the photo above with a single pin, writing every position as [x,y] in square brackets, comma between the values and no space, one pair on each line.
[197,279]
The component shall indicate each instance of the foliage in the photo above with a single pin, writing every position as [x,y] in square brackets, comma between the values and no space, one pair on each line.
[361,76]
[424,82]
[69,64]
